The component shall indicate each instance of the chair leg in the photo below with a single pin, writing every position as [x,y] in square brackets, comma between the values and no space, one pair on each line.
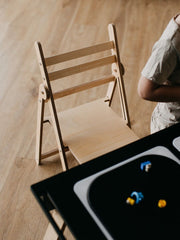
[57,132]
[110,93]
[124,105]
[39,131]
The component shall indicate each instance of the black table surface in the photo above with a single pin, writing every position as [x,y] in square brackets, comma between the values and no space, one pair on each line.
[142,223]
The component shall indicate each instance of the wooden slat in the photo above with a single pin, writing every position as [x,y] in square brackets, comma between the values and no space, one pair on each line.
[82,67]
[50,153]
[53,152]
[79,53]
[83,87]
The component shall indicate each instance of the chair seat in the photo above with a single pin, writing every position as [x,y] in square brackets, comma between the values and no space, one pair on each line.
[93,129]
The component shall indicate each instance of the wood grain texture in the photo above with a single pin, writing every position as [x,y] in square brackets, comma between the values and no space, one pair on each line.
[61,26]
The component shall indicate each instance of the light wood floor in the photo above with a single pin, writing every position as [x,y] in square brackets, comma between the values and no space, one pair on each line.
[60,25]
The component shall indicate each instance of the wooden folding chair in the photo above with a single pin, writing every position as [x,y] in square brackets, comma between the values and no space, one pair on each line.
[91,129]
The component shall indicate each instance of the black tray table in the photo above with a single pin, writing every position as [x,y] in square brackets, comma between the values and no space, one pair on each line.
[91,198]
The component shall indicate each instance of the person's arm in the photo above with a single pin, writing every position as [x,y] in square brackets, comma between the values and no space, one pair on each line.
[160,66]
[151,91]
[178,20]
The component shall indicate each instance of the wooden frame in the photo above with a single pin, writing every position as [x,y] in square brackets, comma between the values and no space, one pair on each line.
[47,96]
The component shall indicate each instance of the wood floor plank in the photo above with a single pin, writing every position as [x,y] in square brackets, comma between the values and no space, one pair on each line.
[61,25]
